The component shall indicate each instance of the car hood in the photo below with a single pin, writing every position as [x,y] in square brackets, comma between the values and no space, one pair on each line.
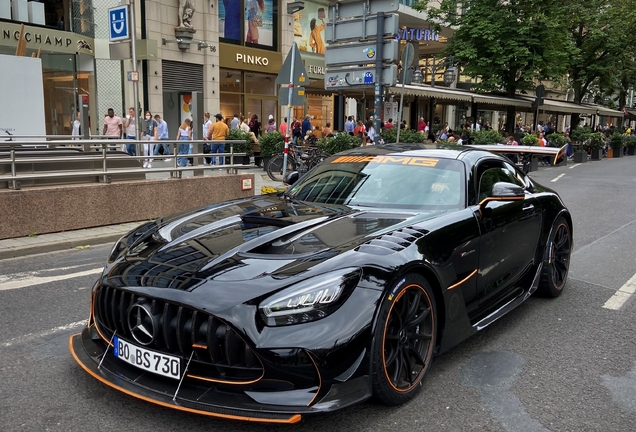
[270,241]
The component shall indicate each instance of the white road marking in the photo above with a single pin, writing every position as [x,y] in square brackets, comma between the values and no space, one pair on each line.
[557,177]
[24,275]
[34,336]
[623,294]
[24,282]
[574,166]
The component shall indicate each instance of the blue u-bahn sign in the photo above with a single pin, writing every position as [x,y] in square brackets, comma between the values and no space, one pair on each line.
[118,23]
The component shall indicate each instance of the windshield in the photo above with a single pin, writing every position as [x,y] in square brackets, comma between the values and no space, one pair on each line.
[395,181]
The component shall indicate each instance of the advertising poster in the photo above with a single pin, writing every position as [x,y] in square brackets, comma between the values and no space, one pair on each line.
[259,22]
[230,12]
[309,28]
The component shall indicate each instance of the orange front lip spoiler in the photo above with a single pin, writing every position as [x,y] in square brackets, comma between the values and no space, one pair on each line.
[291,420]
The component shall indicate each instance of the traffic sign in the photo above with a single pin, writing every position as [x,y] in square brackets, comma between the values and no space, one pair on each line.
[346,9]
[118,23]
[360,28]
[408,54]
[357,77]
[298,96]
[133,76]
[360,53]
[299,74]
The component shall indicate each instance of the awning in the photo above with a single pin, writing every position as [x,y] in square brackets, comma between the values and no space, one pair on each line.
[435,92]
[604,111]
[501,101]
[562,107]
[632,113]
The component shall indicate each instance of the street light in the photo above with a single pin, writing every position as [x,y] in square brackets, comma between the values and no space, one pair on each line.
[418,78]
[450,75]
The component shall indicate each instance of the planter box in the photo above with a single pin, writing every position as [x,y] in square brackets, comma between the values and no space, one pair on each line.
[580,157]
[534,164]
[266,160]
[617,153]
[597,154]
[631,151]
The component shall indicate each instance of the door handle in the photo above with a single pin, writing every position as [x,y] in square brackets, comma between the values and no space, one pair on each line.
[528,207]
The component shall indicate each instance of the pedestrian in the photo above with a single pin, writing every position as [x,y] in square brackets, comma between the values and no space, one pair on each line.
[162,133]
[76,127]
[297,131]
[206,133]
[271,125]
[235,123]
[421,125]
[218,131]
[255,126]
[511,141]
[350,126]
[184,134]
[283,127]
[271,118]
[359,130]
[326,131]
[307,126]
[370,133]
[131,132]
[389,124]
[112,125]
[150,133]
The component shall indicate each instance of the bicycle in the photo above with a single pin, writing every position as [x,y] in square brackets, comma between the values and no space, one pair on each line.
[301,159]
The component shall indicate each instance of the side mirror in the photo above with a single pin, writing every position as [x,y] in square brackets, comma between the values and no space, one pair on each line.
[291,178]
[504,190]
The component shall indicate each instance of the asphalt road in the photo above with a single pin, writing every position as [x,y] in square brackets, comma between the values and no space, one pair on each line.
[560,365]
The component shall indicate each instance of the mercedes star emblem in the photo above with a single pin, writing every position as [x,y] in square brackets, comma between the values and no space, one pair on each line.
[141,324]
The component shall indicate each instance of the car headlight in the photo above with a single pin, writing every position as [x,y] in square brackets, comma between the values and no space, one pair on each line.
[311,299]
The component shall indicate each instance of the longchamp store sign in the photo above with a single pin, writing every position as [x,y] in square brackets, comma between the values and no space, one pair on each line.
[48,40]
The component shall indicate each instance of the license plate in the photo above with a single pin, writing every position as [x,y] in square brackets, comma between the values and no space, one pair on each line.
[151,361]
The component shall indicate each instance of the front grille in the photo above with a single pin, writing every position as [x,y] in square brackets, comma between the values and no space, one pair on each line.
[220,354]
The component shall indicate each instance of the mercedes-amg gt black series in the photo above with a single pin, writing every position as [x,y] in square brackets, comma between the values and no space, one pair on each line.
[343,287]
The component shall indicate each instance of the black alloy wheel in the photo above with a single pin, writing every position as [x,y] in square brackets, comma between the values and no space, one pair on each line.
[275,166]
[556,262]
[404,340]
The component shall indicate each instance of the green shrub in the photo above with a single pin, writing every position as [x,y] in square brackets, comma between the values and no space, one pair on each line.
[580,135]
[596,140]
[617,141]
[556,140]
[529,140]
[239,135]
[406,136]
[271,143]
[487,137]
[630,141]
[338,143]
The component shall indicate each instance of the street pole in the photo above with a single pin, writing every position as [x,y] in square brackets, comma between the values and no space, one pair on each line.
[289,108]
[397,138]
[379,56]
[133,46]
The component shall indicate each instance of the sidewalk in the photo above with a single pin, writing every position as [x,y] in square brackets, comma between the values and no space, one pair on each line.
[24,246]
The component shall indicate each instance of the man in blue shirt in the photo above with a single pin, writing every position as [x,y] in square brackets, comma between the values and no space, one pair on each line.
[162,134]
[307,127]
[349,125]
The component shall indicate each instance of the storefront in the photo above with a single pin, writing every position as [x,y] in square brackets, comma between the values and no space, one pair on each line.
[247,82]
[68,70]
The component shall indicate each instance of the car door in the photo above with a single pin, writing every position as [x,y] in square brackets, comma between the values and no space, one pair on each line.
[509,234]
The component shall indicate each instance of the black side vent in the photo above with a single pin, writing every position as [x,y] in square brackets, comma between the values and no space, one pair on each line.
[393,242]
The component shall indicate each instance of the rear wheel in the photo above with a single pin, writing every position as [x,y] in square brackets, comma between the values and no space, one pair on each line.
[556,259]
[275,166]
[404,341]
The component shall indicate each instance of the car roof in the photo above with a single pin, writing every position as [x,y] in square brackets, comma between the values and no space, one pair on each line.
[468,154]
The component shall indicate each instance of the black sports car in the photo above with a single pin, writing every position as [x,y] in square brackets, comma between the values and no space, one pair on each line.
[342,288]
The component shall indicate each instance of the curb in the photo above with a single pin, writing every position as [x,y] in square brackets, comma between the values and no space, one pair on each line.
[22,251]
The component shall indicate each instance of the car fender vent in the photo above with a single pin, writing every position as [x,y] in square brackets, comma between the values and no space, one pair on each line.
[392,242]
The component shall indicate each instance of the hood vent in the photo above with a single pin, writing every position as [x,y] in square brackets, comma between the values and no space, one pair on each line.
[393,242]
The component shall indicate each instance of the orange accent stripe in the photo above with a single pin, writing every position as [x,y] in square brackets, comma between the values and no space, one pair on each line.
[293,419]
[101,335]
[226,382]
[199,346]
[319,379]
[463,280]
[501,199]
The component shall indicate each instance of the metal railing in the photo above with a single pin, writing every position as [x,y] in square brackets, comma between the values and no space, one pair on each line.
[16,153]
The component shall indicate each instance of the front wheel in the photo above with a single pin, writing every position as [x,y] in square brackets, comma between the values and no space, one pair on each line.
[556,259]
[404,340]
[275,166]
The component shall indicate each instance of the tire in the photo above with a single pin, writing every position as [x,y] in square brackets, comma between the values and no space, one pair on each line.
[275,167]
[403,351]
[556,259]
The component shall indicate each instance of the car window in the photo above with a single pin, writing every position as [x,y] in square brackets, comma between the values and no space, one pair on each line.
[496,174]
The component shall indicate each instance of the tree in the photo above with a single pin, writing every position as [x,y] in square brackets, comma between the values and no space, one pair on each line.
[507,45]
[601,35]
